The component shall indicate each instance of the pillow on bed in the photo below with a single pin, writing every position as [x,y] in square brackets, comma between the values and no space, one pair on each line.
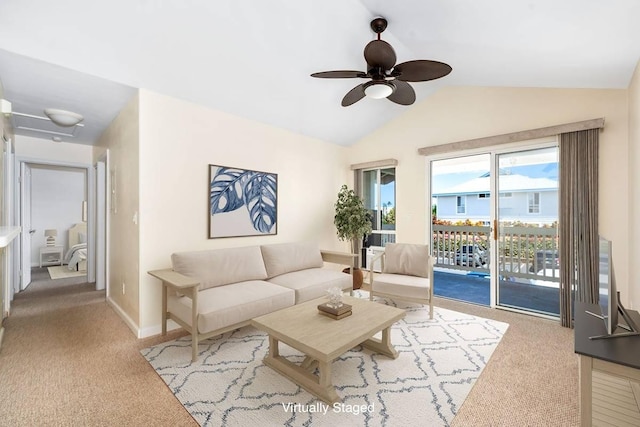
[82,237]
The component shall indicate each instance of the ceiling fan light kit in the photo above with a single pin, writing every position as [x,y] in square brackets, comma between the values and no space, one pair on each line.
[63,118]
[387,80]
[378,90]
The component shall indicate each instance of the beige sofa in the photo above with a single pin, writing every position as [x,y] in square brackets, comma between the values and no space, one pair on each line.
[223,289]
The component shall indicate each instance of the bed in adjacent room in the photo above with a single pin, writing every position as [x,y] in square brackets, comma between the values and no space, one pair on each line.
[76,256]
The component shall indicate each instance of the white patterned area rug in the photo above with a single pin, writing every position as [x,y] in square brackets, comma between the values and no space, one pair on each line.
[439,362]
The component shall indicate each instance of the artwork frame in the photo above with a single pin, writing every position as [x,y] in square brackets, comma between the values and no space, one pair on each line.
[241,202]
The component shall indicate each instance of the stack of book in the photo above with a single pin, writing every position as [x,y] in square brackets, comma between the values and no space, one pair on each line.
[335,313]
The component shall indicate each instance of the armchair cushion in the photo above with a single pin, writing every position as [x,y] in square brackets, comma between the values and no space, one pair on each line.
[407,259]
[403,286]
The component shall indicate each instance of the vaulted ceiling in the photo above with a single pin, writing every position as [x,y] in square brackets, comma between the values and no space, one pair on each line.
[253,58]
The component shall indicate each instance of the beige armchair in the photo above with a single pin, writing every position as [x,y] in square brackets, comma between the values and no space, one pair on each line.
[407,274]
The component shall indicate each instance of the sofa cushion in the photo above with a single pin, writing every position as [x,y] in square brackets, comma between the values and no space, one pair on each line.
[402,285]
[313,282]
[404,258]
[223,306]
[284,258]
[219,267]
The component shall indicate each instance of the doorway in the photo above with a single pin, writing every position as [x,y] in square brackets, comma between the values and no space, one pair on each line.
[53,205]
[494,228]
[91,208]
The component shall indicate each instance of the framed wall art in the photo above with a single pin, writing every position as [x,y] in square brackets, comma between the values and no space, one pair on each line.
[242,202]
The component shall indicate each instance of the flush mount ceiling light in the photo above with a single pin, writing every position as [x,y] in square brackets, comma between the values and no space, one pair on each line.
[62,117]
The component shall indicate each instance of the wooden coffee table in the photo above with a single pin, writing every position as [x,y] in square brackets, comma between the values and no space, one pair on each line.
[323,339]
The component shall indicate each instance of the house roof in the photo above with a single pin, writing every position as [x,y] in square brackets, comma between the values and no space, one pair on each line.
[507,183]
[254,58]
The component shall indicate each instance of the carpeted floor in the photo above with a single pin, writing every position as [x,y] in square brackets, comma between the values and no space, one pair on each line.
[67,359]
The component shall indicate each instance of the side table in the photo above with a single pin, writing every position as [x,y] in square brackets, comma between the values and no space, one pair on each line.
[50,255]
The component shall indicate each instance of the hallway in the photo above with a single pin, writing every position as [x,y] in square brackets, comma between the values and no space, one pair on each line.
[68,359]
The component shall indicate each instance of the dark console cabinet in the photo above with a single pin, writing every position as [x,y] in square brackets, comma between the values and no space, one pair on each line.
[609,371]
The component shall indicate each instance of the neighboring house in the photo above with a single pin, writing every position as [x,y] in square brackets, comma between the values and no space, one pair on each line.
[528,198]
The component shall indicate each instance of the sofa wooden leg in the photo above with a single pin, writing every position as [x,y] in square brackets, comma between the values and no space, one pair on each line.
[164,309]
[194,347]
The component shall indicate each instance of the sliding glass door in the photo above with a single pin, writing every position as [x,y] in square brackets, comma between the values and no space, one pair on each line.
[494,228]
[527,230]
[461,216]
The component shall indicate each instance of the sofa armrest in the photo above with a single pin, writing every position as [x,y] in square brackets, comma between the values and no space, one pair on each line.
[189,287]
[343,258]
[375,259]
[174,279]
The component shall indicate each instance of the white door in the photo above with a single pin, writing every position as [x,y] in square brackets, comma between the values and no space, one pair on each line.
[101,220]
[25,222]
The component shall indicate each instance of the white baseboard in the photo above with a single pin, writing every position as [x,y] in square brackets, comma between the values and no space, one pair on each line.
[157,329]
[144,332]
[127,320]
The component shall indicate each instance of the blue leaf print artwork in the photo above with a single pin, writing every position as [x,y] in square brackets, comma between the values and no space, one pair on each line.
[231,188]
[226,190]
[260,199]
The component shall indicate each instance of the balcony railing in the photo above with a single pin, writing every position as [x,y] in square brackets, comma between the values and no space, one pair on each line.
[523,252]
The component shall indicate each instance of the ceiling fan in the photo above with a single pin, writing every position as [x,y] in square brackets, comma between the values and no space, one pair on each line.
[386,79]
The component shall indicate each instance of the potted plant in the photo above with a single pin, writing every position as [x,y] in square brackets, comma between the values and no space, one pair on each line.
[352,222]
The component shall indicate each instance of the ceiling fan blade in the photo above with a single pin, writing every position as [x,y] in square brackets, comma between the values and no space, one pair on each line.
[353,96]
[379,53]
[404,93]
[420,70]
[339,74]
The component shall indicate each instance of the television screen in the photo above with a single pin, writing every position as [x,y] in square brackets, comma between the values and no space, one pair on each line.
[607,296]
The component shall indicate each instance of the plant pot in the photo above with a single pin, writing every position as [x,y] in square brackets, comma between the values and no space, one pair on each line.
[358,277]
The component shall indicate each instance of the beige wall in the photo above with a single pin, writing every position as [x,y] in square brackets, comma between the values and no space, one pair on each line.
[460,113]
[178,141]
[634,189]
[122,140]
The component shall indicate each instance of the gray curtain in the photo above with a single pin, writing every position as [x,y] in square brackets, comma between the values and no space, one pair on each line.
[578,225]
[357,187]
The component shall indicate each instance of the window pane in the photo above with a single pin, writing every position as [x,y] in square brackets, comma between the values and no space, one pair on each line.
[379,197]
[534,203]
[461,204]
[369,195]
[388,197]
